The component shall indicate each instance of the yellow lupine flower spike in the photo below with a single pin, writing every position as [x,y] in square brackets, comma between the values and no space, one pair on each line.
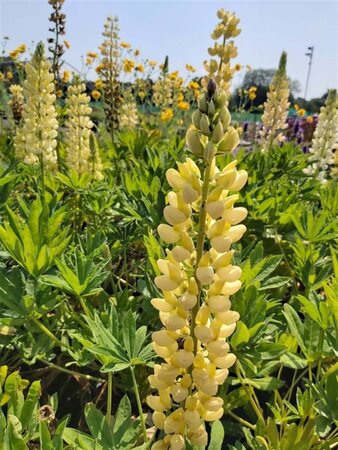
[197,279]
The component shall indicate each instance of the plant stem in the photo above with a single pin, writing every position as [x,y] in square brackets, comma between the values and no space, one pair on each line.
[109,396]
[48,333]
[200,240]
[84,307]
[240,420]
[71,372]
[249,393]
[139,405]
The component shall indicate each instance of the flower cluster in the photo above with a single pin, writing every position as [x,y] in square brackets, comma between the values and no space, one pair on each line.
[128,112]
[276,108]
[325,139]
[196,280]
[16,102]
[109,70]
[220,69]
[78,127]
[17,52]
[35,140]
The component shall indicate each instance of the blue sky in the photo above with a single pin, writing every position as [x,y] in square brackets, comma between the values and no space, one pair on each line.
[181,29]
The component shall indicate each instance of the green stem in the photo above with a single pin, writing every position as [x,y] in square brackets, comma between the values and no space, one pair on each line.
[109,396]
[240,420]
[84,306]
[71,372]
[200,240]
[48,333]
[43,184]
[139,405]
[320,347]
[249,392]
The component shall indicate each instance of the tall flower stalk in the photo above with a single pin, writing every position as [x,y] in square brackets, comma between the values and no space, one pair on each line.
[57,48]
[78,127]
[35,140]
[224,50]
[197,280]
[276,108]
[324,147]
[109,70]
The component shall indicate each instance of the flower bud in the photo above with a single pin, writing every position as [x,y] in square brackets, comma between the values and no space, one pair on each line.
[194,142]
[229,141]
[217,133]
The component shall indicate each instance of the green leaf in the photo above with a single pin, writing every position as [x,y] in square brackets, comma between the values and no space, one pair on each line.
[45,438]
[264,384]
[98,425]
[295,325]
[30,404]
[293,361]
[217,436]
[241,335]
[128,333]
[12,438]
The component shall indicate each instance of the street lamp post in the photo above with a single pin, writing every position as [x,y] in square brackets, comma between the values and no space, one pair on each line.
[309,53]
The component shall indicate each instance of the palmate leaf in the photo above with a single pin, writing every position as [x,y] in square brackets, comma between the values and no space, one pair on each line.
[36,242]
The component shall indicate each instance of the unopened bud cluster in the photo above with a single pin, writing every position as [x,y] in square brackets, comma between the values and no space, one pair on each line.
[276,108]
[78,127]
[36,138]
[219,67]
[197,279]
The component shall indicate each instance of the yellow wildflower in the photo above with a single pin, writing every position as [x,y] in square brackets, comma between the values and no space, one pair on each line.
[128,65]
[141,94]
[252,92]
[92,55]
[2,76]
[59,93]
[125,45]
[184,106]
[152,63]
[66,76]
[180,97]
[309,119]
[67,43]
[238,67]
[139,68]
[193,85]
[166,115]
[14,54]
[96,94]
[99,84]
[99,68]
[9,75]
[190,68]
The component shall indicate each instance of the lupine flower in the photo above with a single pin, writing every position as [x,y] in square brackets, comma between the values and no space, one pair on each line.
[221,69]
[325,139]
[78,127]
[197,279]
[35,140]
[109,71]
[276,108]
[128,112]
